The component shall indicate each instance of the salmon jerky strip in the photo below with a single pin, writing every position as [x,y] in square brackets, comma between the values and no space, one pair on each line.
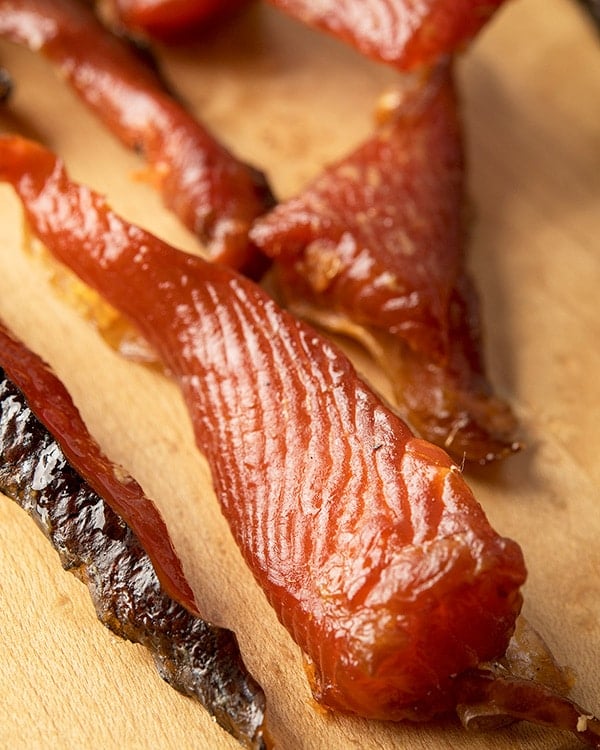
[213,193]
[374,248]
[367,541]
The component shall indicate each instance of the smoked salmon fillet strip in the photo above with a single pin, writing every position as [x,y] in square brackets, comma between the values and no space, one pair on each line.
[375,248]
[366,540]
[208,188]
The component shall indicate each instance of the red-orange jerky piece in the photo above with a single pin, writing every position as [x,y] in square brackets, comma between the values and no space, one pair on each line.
[211,191]
[166,18]
[374,248]
[366,540]
[405,33]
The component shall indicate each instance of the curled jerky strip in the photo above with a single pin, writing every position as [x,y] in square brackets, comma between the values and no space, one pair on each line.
[212,192]
[526,684]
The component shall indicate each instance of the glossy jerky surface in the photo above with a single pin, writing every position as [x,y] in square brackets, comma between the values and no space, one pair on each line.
[374,248]
[166,18]
[405,33]
[213,193]
[381,232]
[196,658]
[366,540]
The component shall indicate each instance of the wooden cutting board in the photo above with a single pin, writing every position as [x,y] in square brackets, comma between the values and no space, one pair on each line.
[291,100]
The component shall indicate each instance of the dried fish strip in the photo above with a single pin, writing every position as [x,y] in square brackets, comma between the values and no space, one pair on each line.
[403,33]
[375,248]
[212,192]
[367,595]
[366,540]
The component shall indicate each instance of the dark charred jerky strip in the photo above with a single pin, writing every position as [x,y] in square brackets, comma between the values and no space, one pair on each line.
[194,657]
[53,406]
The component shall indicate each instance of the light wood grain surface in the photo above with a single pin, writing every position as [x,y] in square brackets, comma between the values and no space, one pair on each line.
[290,100]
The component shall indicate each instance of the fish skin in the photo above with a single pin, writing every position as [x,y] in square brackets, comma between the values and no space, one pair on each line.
[53,406]
[195,657]
[366,540]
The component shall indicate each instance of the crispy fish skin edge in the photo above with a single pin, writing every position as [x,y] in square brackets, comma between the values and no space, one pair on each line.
[196,658]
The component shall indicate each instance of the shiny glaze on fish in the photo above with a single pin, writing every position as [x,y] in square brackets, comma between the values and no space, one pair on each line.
[366,540]
[374,248]
[593,8]
[166,19]
[196,658]
[404,33]
[214,194]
